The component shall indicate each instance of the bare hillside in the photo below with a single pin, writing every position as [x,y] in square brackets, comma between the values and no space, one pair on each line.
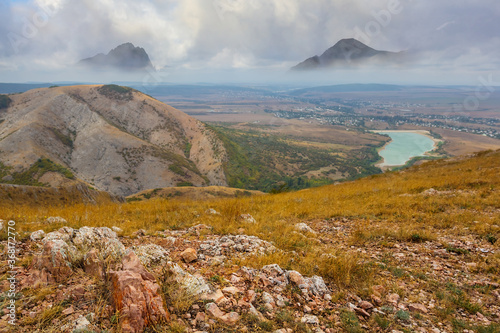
[114,138]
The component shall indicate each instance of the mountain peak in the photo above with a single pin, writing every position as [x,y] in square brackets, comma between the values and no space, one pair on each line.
[346,52]
[125,57]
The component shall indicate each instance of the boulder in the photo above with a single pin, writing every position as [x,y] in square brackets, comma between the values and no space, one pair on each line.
[55,261]
[55,219]
[247,218]
[151,254]
[415,307]
[189,255]
[310,319]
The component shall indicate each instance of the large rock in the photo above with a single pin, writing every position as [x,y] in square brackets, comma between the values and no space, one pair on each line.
[192,284]
[55,261]
[137,296]
[189,255]
[151,254]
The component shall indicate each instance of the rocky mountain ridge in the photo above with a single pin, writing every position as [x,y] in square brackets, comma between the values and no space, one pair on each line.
[124,57]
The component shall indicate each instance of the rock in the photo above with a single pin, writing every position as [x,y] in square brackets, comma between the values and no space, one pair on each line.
[310,319]
[267,298]
[117,230]
[317,285]
[213,310]
[189,255]
[194,285]
[295,277]
[366,305]
[151,254]
[55,219]
[65,234]
[212,211]
[2,224]
[139,233]
[56,260]
[37,235]
[81,324]
[68,311]
[379,290]
[231,318]
[304,228]
[247,218]
[393,299]
[415,307]
[217,296]
[273,270]
[103,239]
[361,312]
[232,290]
[137,296]
[92,264]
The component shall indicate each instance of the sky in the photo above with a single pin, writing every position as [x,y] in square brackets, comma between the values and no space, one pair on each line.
[450,41]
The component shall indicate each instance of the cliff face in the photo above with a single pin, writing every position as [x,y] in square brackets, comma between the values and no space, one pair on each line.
[114,138]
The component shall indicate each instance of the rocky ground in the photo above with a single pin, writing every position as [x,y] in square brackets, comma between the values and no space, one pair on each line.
[193,280]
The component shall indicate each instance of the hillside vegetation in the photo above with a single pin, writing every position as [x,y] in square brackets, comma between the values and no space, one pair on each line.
[428,235]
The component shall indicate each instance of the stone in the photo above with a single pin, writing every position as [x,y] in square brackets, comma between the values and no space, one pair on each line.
[273,270]
[415,307]
[213,310]
[393,299]
[212,211]
[232,290]
[231,318]
[304,228]
[56,260]
[317,285]
[55,219]
[117,230]
[189,255]
[151,254]
[137,296]
[217,296]
[68,311]
[295,277]
[103,239]
[267,298]
[37,235]
[92,264]
[194,285]
[366,305]
[361,312]
[247,218]
[81,324]
[310,319]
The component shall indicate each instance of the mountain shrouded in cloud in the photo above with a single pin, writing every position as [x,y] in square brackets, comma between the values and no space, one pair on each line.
[345,53]
[42,37]
[124,57]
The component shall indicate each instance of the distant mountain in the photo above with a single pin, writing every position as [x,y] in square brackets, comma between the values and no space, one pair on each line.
[124,57]
[113,138]
[347,53]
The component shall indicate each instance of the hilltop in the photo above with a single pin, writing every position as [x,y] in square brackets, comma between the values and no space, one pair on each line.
[347,53]
[112,138]
[415,250]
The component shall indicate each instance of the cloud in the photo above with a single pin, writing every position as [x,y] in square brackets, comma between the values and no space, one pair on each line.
[54,34]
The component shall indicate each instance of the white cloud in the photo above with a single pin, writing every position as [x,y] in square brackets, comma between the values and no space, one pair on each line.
[245,33]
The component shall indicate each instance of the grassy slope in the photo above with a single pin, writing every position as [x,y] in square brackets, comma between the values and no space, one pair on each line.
[381,214]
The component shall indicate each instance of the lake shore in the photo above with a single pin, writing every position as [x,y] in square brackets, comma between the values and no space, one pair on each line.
[426,133]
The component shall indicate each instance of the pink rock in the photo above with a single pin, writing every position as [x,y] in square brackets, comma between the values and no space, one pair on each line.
[92,265]
[295,277]
[55,261]
[137,296]
[214,311]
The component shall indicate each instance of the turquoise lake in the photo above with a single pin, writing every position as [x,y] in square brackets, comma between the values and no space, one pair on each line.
[404,146]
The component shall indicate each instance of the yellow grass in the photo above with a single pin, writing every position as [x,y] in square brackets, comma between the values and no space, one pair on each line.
[390,207]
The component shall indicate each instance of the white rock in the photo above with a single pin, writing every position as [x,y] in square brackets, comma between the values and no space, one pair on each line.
[117,230]
[304,228]
[37,235]
[55,219]
[81,324]
[310,319]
